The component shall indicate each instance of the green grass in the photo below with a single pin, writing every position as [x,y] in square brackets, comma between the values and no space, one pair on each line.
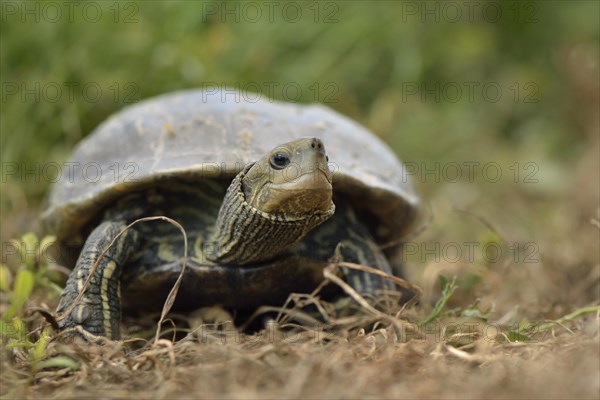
[366,65]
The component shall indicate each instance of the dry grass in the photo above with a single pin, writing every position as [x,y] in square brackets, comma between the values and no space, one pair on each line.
[336,363]
[519,331]
[481,344]
[367,355]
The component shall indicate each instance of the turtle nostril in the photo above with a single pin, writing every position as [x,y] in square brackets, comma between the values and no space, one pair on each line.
[316,144]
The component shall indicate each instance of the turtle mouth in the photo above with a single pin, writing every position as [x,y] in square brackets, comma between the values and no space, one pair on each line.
[307,193]
[315,179]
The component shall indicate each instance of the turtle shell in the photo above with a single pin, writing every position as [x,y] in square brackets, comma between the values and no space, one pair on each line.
[197,134]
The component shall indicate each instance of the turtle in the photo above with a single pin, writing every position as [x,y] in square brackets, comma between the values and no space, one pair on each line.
[265,207]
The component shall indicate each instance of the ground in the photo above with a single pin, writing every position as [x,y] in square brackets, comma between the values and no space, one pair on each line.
[524,327]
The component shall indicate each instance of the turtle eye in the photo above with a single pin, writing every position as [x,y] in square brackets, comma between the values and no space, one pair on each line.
[280,160]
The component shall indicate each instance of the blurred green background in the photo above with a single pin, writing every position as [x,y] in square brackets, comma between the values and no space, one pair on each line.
[441,82]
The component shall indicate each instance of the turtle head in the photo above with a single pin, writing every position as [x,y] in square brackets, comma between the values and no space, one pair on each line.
[273,204]
[293,178]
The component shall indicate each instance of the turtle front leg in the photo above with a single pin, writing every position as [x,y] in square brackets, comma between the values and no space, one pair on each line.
[98,311]
[377,290]
[354,244]
[363,250]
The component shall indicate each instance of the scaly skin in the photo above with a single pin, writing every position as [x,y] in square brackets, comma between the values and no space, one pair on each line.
[98,311]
